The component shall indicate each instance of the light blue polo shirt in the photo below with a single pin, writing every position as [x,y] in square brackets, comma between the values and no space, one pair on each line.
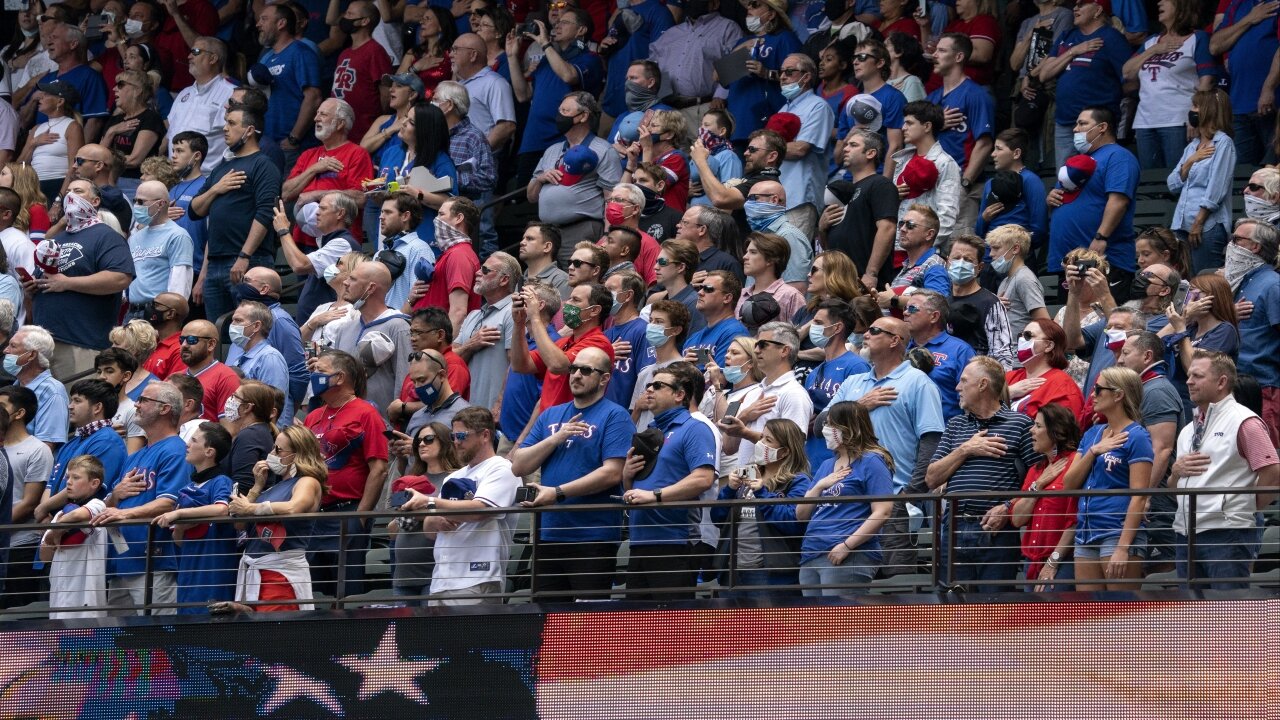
[266,365]
[51,421]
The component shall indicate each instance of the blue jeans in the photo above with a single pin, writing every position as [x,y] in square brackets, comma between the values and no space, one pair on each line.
[980,556]
[1160,147]
[1211,253]
[1224,556]
[218,297]
[1066,571]
[322,553]
[1253,136]
[1063,143]
[859,567]
[371,224]
[488,227]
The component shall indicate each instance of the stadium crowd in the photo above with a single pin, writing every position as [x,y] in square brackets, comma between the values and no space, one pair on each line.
[772,250]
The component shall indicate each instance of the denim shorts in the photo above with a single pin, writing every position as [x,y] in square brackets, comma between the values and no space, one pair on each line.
[1106,547]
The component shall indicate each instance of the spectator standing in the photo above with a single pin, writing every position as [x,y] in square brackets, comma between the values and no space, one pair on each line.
[924,171]
[710,229]
[871,67]
[804,171]
[928,317]
[661,135]
[987,448]
[1227,446]
[290,71]
[27,358]
[761,160]
[764,263]
[484,338]
[399,214]
[187,152]
[200,354]
[538,250]
[248,418]
[93,403]
[456,229]
[1256,287]
[161,251]
[337,165]
[380,337]
[584,312]
[1015,196]
[1049,540]
[686,51]
[52,145]
[251,323]
[829,332]
[67,50]
[1019,290]
[628,333]
[472,155]
[263,284]
[1042,380]
[632,28]
[977,315]
[968,113]
[136,130]
[718,295]
[1246,34]
[755,97]
[334,217]
[1202,218]
[781,394]
[31,461]
[725,164]
[201,106]
[863,228]
[360,66]
[923,268]
[429,329]
[492,103]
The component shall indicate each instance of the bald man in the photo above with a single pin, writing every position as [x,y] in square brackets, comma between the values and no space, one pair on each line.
[381,339]
[493,109]
[168,313]
[96,164]
[766,211]
[263,284]
[161,251]
[906,412]
[199,342]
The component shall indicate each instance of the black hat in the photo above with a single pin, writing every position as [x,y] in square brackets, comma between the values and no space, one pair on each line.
[647,444]
[1006,189]
[760,309]
[394,261]
[62,89]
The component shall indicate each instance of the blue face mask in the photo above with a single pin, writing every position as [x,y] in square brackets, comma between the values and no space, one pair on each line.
[760,215]
[246,291]
[141,216]
[656,335]
[320,383]
[1001,265]
[331,272]
[961,271]
[617,305]
[733,374]
[11,365]
[427,394]
[791,90]
[818,337]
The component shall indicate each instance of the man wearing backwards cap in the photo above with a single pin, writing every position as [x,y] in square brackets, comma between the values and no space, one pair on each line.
[568,184]
[924,172]
[1101,216]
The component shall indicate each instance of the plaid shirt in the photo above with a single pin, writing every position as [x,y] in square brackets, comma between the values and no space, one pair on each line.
[468,146]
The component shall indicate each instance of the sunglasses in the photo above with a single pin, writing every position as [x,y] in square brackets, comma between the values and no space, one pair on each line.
[80,161]
[656,384]
[908,224]
[761,197]
[748,150]
[579,263]
[708,289]
[1254,187]
[754,4]
[815,269]
[877,330]
[122,83]
[911,309]
[197,52]
[426,439]
[663,262]
[585,370]
[1026,335]
[192,339]
[770,342]
[862,57]
[1097,388]
[460,436]
[788,72]
[485,270]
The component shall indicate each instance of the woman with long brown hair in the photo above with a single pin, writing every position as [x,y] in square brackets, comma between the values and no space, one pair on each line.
[832,275]
[1203,176]
[841,544]
[767,545]
[434,457]
[1206,321]
[33,218]
[1050,521]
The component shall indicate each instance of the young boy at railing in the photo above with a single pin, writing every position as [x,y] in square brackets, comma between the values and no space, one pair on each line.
[207,555]
[78,574]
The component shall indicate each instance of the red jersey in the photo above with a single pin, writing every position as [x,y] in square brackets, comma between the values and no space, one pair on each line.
[456,269]
[357,79]
[219,382]
[555,388]
[903,24]
[1058,389]
[981,27]
[350,436]
[676,194]
[166,359]
[202,16]
[1049,518]
[356,168]
[38,223]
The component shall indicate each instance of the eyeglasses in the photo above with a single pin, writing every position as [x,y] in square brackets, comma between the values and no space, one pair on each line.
[788,72]
[908,224]
[427,439]
[1096,388]
[1237,239]
[1254,187]
[911,309]
[192,339]
[579,263]
[485,270]
[877,330]
[151,399]
[460,436]
[122,83]
[656,384]
[708,289]
[585,370]
[748,150]
[769,342]
[144,201]
[557,5]
[80,161]
[1154,279]
[862,57]
[278,451]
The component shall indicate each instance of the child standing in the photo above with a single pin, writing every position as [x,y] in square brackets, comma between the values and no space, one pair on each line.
[78,575]
[207,556]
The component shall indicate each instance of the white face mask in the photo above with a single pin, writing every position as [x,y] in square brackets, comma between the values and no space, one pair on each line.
[833,436]
[765,455]
[133,28]
[276,465]
[231,409]
[1259,209]
[754,23]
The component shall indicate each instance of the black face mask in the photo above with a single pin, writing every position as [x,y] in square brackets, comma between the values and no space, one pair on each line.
[1138,289]
[347,25]
[694,9]
[1193,118]
[836,8]
[154,315]
[564,123]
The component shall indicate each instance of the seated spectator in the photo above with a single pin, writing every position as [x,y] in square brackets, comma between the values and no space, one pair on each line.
[927,316]
[206,551]
[1020,290]
[1049,541]
[766,210]
[841,545]
[1110,541]
[1203,214]
[1042,380]
[434,457]
[274,573]
[1172,65]
[977,315]
[924,172]
[27,358]
[766,259]
[1015,195]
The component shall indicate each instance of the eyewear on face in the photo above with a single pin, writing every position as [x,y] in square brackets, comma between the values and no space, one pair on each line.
[579,263]
[815,269]
[663,262]
[862,57]
[749,150]
[193,339]
[426,439]
[585,370]
[908,224]
[911,309]
[877,330]
[122,83]
[770,342]
[197,52]
[657,384]
[1097,388]
[1254,187]
[708,289]
[485,270]
[788,72]
[144,398]
[460,436]
[1237,239]
[1154,279]
[80,161]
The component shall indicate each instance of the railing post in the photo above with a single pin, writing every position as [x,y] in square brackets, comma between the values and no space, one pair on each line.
[937,535]
[148,571]
[1191,540]
[340,588]
[535,530]
[733,548]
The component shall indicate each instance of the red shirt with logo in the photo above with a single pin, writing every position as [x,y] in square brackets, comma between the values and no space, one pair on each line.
[350,436]
[356,168]
[357,79]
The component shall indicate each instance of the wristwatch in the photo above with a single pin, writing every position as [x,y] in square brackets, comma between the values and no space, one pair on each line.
[1100,236]
[657,496]
[965,182]
[293,140]
[431,503]
[244,255]
[1056,557]
[560,495]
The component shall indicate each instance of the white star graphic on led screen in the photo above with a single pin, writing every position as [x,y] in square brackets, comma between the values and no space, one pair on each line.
[292,685]
[386,671]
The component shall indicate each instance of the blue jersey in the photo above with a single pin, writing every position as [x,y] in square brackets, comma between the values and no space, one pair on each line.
[1103,517]
[1030,212]
[1260,353]
[688,445]
[164,465]
[950,355]
[549,91]
[1074,224]
[823,383]
[181,195]
[608,436]
[293,70]
[92,89]
[1093,78]
[979,111]
[104,444]
[833,523]
[208,556]
[752,99]
[1247,58]
[622,381]
[520,396]
[717,338]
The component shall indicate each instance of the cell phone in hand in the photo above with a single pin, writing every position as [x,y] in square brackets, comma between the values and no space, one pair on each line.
[526,493]
[22,273]
[732,410]
[703,355]
[397,500]
[390,434]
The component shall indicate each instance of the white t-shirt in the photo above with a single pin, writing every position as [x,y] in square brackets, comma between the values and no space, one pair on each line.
[793,404]
[78,574]
[1166,83]
[477,552]
[31,461]
[126,418]
[19,249]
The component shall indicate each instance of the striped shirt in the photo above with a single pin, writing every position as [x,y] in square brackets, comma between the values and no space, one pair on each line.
[985,474]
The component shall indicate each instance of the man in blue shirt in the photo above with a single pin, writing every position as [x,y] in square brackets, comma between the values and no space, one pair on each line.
[717,300]
[567,66]
[661,556]
[27,359]
[927,315]
[969,114]
[257,359]
[804,172]
[67,49]
[579,446]
[1091,61]
[1251,257]
[635,25]
[161,250]
[187,153]
[149,487]
[1100,217]
[628,327]
[1247,36]
[291,71]
[93,403]
[1029,211]
[263,285]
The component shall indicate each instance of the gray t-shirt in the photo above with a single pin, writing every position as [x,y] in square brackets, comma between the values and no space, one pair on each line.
[386,372]
[488,366]
[443,415]
[31,461]
[1022,289]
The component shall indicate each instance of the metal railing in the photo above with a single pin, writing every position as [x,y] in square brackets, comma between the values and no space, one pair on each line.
[341,576]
